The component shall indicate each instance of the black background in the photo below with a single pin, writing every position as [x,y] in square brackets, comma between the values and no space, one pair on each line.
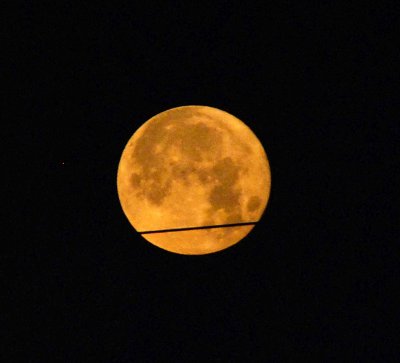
[314,82]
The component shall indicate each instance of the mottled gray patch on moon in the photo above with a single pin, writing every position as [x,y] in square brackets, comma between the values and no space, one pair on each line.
[155,150]
[253,203]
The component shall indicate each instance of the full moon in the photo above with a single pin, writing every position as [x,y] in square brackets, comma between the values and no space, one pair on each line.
[193,180]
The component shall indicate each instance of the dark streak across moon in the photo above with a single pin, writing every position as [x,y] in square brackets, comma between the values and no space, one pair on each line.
[201,227]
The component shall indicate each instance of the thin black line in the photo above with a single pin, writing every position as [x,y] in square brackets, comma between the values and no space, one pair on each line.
[202,227]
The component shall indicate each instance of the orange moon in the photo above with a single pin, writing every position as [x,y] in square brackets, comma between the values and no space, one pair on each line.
[191,167]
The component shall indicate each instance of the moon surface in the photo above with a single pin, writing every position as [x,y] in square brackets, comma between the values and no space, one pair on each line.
[190,167]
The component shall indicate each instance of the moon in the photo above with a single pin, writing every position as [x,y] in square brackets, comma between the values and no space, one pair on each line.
[193,180]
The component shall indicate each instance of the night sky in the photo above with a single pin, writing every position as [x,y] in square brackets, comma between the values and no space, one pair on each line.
[310,282]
